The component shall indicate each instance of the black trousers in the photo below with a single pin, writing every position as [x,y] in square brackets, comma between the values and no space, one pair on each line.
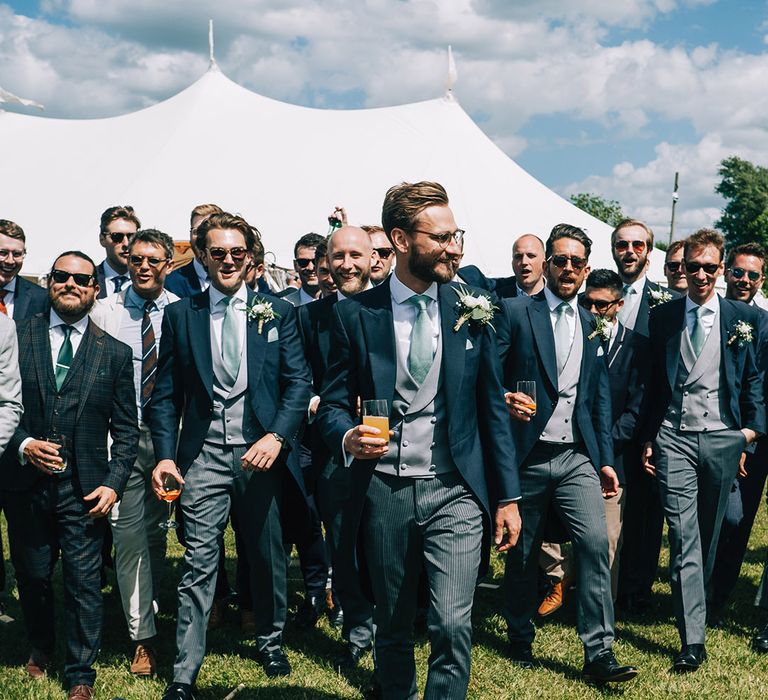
[49,518]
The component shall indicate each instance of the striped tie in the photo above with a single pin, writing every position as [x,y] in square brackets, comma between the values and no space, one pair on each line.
[119,281]
[64,358]
[148,355]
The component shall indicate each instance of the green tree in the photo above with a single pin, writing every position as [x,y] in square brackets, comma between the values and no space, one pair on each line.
[608,211]
[744,186]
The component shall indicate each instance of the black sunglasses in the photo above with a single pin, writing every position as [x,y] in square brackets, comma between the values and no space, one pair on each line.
[599,304]
[693,267]
[80,278]
[578,263]
[637,246]
[384,253]
[739,272]
[673,266]
[117,237]
[138,260]
[304,262]
[238,254]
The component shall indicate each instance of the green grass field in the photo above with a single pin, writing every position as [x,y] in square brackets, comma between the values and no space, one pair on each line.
[733,671]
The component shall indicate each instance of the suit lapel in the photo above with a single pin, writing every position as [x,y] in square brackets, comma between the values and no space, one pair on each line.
[541,326]
[379,333]
[88,358]
[588,353]
[454,343]
[618,343]
[257,345]
[673,345]
[20,300]
[41,349]
[199,338]
[726,323]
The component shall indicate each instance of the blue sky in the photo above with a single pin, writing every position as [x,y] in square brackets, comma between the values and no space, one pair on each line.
[608,96]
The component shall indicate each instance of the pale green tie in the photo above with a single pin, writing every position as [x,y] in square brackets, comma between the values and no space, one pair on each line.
[628,295]
[420,352]
[230,338]
[562,336]
[698,336]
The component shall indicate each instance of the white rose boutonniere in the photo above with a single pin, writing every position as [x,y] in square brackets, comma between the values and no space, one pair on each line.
[261,311]
[658,296]
[473,307]
[602,330]
[742,334]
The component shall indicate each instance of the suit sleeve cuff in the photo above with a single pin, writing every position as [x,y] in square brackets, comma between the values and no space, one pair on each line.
[346,458]
[22,456]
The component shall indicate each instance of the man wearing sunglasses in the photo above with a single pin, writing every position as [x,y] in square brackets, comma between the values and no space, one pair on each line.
[231,370]
[134,316]
[77,388]
[674,270]
[565,449]
[383,254]
[705,405]
[117,226]
[304,264]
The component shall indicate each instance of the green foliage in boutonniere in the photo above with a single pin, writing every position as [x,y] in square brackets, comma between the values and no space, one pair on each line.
[261,311]
[473,307]
[602,329]
[658,296]
[742,334]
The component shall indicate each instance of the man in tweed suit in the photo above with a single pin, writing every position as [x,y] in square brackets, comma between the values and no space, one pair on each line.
[419,496]
[232,369]
[77,385]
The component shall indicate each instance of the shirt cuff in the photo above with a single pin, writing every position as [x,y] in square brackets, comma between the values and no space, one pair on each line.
[504,501]
[310,413]
[346,458]
[24,443]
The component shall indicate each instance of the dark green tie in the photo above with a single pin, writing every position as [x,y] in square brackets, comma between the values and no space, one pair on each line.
[64,360]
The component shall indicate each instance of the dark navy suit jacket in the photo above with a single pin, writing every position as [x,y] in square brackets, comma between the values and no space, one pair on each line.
[500,287]
[183,281]
[646,304]
[29,299]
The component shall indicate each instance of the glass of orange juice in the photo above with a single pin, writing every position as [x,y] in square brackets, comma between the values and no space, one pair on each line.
[171,491]
[376,414]
[529,389]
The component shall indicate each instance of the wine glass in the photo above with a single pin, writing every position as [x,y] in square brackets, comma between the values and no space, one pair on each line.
[171,491]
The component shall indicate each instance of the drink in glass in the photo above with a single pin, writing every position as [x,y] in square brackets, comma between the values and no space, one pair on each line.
[529,389]
[171,491]
[63,445]
[376,415]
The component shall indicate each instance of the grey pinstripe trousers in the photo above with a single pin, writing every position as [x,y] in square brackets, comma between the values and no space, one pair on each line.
[434,525]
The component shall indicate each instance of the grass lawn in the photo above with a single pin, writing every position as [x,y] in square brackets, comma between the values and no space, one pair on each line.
[733,671]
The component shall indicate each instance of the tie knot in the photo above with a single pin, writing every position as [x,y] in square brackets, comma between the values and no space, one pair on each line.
[629,289]
[563,308]
[699,311]
[420,301]
[67,330]
[149,306]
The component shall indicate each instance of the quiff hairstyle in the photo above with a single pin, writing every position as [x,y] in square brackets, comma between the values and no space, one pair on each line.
[404,202]
[12,230]
[677,245]
[119,212]
[568,231]
[754,249]
[701,239]
[224,221]
[372,229]
[155,237]
[625,223]
[204,210]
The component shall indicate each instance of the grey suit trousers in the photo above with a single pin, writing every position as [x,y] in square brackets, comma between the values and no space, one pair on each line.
[211,481]
[695,472]
[561,477]
[410,526]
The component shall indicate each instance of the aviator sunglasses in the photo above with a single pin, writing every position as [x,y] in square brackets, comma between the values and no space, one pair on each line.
[739,272]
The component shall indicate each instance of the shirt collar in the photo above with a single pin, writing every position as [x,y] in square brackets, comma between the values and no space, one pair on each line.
[134,300]
[109,271]
[340,295]
[11,286]
[520,291]
[639,284]
[200,271]
[304,298]
[216,296]
[553,301]
[401,293]
[80,326]
[712,305]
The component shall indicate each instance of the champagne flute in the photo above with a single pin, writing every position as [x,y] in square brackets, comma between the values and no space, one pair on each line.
[529,389]
[171,491]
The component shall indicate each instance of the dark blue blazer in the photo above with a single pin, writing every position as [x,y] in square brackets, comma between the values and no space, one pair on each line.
[279,383]
[315,326]
[29,299]
[526,345]
[500,287]
[183,281]
[743,380]
[646,304]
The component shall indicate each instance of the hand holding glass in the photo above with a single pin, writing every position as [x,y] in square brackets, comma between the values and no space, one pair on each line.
[376,415]
[529,389]
[63,444]
[171,491]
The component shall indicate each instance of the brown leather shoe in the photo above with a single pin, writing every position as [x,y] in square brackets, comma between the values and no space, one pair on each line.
[144,661]
[216,618]
[38,664]
[554,600]
[247,622]
[81,692]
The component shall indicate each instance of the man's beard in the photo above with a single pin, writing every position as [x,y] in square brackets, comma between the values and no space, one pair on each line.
[70,307]
[423,268]
[350,287]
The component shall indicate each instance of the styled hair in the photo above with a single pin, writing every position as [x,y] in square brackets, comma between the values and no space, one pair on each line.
[225,220]
[625,223]
[605,279]
[75,254]
[321,251]
[673,248]
[701,239]
[568,231]
[404,202]
[118,212]
[12,230]
[754,249]
[372,229]
[258,251]
[204,210]
[308,240]
[155,237]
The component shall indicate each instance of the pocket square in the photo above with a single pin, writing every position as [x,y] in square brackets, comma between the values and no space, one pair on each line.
[600,351]
[469,344]
[273,335]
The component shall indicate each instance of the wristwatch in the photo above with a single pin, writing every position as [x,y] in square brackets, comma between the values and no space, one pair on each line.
[279,438]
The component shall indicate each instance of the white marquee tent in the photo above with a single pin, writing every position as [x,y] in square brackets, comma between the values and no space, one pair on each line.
[282,166]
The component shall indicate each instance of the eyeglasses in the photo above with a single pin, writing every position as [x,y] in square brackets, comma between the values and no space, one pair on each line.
[739,272]
[117,237]
[600,304]
[673,266]
[138,260]
[637,246]
[15,254]
[578,262]
[304,262]
[443,239]
[384,253]
[238,254]
[693,267]
[80,278]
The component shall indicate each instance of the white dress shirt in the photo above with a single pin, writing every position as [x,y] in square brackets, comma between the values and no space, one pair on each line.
[404,314]
[109,274]
[239,303]
[10,297]
[553,302]
[708,317]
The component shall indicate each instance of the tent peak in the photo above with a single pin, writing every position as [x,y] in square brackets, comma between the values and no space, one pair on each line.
[451,77]
[212,65]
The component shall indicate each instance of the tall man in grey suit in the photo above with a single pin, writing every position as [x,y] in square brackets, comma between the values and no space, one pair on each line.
[420,500]
[705,404]
[566,450]
[232,370]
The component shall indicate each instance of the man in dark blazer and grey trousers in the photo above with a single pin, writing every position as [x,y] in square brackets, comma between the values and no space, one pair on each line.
[232,370]
[77,385]
[566,450]
[425,497]
[704,406]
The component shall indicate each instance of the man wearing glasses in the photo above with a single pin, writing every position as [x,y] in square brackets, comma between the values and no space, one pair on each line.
[134,316]
[304,264]
[77,390]
[231,370]
[383,254]
[673,268]
[565,450]
[117,226]
[705,405]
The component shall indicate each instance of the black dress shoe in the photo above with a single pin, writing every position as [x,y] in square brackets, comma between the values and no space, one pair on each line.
[689,659]
[336,616]
[605,669]
[275,663]
[520,654]
[715,616]
[760,641]
[309,612]
[178,691]
[350,657]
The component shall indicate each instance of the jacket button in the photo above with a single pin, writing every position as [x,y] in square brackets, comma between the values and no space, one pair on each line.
[405,443]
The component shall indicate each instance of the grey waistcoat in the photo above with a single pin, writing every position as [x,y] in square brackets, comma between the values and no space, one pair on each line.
[232,421]
[560,428]
[697,403]
[419,448]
